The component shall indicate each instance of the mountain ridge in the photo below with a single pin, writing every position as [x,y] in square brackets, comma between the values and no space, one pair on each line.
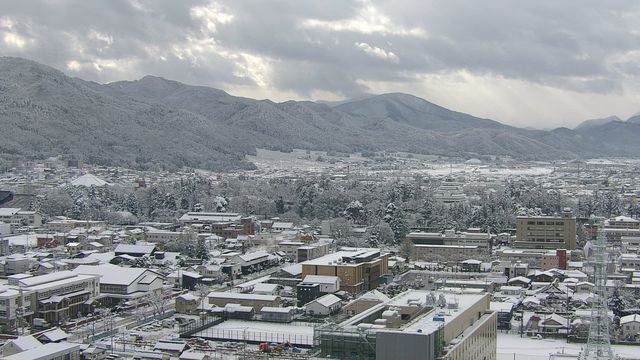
[158,122]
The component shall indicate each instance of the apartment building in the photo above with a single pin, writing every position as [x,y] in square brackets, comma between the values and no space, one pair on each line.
[546,232]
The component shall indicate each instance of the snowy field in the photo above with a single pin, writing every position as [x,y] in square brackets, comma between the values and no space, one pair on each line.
[275,163]
[534,349]
[256,331]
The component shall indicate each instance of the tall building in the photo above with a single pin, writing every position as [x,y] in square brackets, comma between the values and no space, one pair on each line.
[358,269]
[546,232]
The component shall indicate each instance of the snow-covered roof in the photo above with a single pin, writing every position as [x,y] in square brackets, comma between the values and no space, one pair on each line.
[327,300]
[8,211]
[113,274]
[54,335]
[630,318]
[254,255]
[170,346]
[26,342]
[88,180]
[282,310]
[43,351]
[264,288]
[189,297]
[501,306]
[136,249]
[320,279]
[241,296]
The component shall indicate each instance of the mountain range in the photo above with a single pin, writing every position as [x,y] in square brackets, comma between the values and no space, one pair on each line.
[159,122]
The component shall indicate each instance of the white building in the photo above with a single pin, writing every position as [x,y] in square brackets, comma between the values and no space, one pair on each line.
[121,284]
[630,325]
[324,305]
[328,284]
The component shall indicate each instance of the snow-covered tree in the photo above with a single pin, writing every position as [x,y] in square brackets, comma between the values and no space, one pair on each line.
[395,217]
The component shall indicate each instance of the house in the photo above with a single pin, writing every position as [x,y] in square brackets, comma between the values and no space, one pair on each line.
[136,250]
[324,305]
[520,281]
[471,265]
[187,303]
[505,313]
[54,335]
[553,324]
[189,355]
[18,345]
[630,325]
[171,347]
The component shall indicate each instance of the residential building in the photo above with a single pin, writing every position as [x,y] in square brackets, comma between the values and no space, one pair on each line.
[546,232]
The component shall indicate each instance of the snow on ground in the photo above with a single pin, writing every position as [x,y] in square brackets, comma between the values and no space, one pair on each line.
[240,330]
[539,349]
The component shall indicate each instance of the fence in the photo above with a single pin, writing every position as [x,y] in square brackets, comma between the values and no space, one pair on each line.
[189,329]
[256,337]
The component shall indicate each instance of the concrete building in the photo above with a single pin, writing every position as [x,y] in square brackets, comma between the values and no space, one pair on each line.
[448,253]
[118,284]
[418,325]
[359,269]
[546,232]
[471,237]
[16,218]
[59,296]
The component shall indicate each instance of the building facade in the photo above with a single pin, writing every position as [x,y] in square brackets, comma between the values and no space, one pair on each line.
[546,232]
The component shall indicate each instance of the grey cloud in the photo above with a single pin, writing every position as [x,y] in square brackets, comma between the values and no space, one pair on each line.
[565,45]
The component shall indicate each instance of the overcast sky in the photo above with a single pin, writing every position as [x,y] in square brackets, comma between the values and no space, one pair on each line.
[539,63]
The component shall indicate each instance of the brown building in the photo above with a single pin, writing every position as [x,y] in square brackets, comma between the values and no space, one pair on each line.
[546,232]
[358,269]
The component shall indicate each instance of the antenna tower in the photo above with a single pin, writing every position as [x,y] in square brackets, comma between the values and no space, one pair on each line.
[599,344]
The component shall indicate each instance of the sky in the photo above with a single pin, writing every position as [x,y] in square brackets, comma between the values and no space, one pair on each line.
[541,64]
